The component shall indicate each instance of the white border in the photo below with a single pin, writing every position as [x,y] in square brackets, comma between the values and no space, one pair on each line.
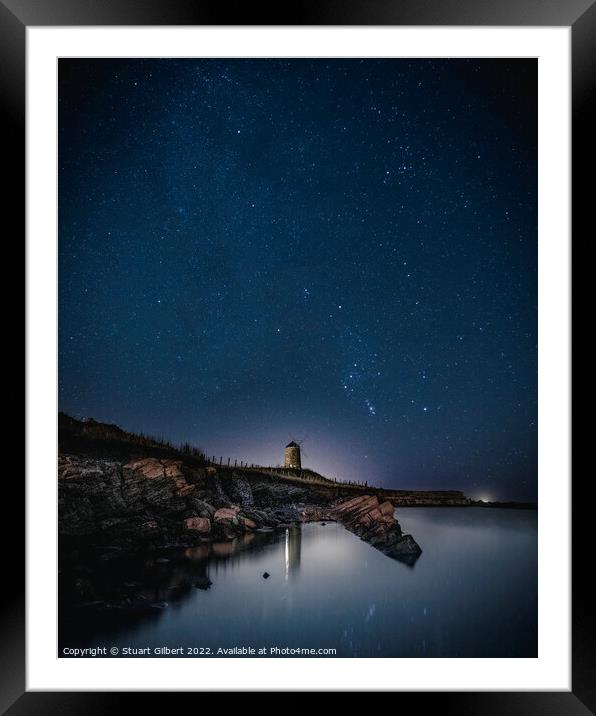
[551,670]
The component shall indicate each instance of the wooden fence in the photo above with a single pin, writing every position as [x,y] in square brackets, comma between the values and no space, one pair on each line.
[303,475]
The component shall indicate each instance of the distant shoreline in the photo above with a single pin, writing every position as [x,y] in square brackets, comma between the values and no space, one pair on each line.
[485,505]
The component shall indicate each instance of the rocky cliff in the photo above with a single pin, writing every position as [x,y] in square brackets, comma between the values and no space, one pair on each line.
[119,490]
[147,501]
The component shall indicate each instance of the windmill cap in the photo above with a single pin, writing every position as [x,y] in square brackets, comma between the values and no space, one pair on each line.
[292,444]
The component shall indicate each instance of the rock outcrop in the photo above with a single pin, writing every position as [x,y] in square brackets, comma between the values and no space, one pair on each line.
[226,513]
[140,501]
[125,491]
[374,522]
[316,513]
[200,524]
[143,502]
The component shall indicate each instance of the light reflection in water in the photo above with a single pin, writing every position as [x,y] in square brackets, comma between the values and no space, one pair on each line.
[473,592]
[292,551]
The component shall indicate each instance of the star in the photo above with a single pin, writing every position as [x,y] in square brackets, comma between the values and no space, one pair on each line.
[246,198]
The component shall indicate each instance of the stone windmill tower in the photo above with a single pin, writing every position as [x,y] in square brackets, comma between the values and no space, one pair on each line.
[292,455]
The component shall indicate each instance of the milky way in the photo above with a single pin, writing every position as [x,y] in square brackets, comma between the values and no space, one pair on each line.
[337,251]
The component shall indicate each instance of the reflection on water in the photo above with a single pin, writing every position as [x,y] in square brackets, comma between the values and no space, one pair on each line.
[473,592]
[293,542]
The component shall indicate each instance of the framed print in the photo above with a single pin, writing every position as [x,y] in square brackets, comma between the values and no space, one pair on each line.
[298,352]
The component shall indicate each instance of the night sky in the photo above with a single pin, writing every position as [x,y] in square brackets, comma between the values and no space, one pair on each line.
[336,251]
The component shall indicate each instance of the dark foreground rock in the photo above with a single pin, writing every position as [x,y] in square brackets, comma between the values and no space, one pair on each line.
[374,522]
[120,492]
[138,502]
[316,513]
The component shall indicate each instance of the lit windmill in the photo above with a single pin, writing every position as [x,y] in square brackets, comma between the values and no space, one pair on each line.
[292,454]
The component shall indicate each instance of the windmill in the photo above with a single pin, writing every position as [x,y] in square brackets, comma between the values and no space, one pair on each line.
[292,454]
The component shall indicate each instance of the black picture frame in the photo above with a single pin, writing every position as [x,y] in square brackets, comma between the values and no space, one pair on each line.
[17,15]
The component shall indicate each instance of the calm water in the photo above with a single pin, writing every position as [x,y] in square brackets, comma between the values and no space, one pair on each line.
[472,593]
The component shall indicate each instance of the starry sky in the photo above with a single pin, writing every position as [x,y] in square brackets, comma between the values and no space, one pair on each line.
[342,252]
